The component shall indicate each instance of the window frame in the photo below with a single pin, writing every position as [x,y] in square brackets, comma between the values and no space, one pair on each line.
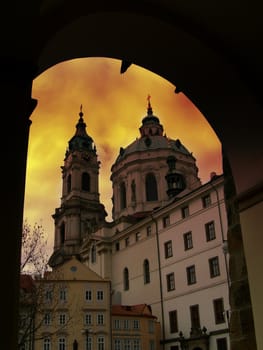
[195,316]
[170,279]
[191,275]
[206,200]
[173,321]
[218,305]
[210,231]
[88,319]
[214,266]
[88,295]
[166,221]
[47,343]
[188,240]
[100,295]
[185,211]
[168,249]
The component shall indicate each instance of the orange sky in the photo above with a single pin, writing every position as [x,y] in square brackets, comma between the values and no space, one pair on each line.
[113,106]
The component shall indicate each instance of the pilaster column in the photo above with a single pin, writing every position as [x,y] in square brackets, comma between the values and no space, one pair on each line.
[16,107]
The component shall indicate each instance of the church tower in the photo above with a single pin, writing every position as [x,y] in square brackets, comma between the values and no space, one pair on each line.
[81,212]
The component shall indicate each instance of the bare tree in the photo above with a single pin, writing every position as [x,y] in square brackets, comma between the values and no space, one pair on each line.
[34,257]
[35,286]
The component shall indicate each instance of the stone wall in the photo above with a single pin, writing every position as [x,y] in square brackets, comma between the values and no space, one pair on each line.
[242,333]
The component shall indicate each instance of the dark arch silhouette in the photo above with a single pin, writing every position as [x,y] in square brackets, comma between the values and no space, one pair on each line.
[212,64]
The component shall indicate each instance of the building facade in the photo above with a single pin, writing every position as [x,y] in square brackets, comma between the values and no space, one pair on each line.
[75,311]
[166,246]
[134,327]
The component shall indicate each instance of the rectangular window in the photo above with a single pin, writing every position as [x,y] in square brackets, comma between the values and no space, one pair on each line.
[127,241]
[127,344]
[168,249]
[136,324]
[188,240]
[88,295]
[61,344]
[48,295]
[149,231]
[62,318]
[195,318]
[101,343]
[166,221]
[221,344]
[136,344]
[89,343]
[100,295]
[214,267]
[170,282]
[47,319]
[185,212]
[173,321]
[62,295]
[219,310]
[100,319]
[126,324]
[210,231]
[117,344]
[206,201]
[117,324]
[191,276]
[88,319]
[46,344]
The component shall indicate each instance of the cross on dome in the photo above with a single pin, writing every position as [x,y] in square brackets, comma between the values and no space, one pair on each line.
[149,109]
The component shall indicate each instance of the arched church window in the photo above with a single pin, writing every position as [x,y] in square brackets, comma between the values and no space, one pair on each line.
[123,196]
[146,271]
[62,233]
[93,254]
[151,188]
[85,182]
[69,183]
[126,285]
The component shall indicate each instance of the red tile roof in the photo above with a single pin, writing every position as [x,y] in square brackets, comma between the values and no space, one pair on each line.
[142,310]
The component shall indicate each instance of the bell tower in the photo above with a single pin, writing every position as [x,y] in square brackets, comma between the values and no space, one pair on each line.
[81,212]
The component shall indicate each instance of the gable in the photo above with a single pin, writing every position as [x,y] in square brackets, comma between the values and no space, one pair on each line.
[73,269]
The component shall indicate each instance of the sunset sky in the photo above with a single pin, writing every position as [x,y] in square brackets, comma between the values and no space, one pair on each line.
[113,106]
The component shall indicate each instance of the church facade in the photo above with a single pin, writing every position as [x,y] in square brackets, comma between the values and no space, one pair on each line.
[167,243]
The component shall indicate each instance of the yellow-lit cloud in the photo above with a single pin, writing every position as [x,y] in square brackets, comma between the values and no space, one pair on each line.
[113,105]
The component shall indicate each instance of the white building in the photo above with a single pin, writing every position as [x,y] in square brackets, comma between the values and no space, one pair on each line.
[166,246]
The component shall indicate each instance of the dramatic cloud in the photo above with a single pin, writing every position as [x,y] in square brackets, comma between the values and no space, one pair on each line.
[113,105]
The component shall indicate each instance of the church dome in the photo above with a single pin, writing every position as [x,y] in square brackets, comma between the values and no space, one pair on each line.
[141,176]
[151,143]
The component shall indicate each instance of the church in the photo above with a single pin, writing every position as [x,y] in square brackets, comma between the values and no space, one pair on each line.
[166,245]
